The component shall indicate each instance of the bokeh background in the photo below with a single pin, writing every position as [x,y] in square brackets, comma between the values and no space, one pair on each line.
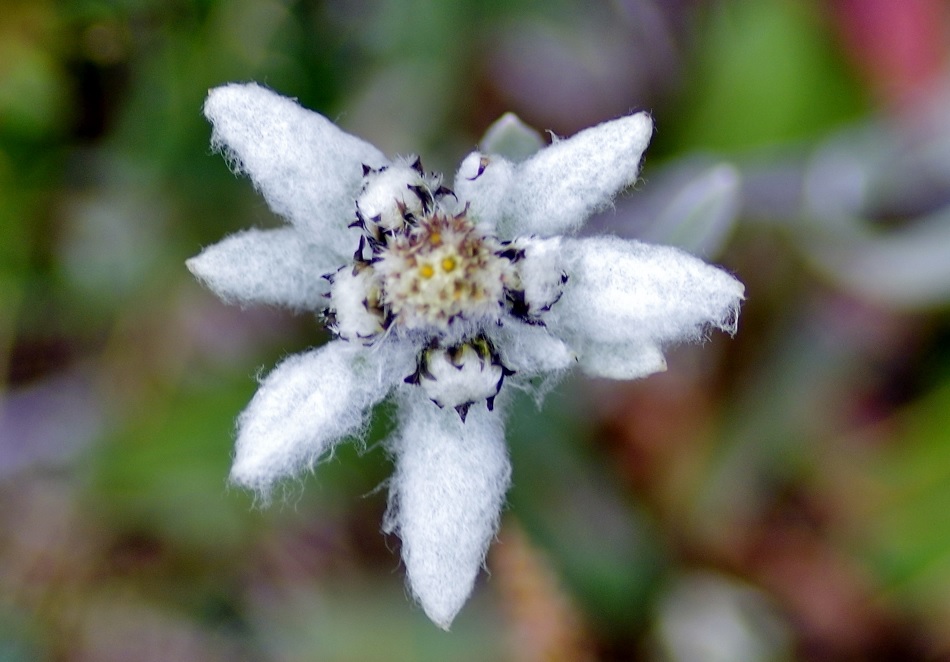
[783,495]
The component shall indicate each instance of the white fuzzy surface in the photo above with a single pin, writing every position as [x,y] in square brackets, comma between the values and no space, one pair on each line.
[384,192]
[629,360]
[471,379]
[554,191]
[445,499]
[626,300]
[485,193]
[306,405]
[541,271]
[308,170]
[530,350]
[354,320]
[558,188]
[266,266]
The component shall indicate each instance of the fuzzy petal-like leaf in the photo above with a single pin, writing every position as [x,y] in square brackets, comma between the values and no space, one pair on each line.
[266,266]
[625,300]
[308,170]
[446,497]
[305,406]
[558,188]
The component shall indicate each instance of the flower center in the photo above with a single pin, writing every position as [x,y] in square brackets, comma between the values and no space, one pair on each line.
[426,271]
[440,270]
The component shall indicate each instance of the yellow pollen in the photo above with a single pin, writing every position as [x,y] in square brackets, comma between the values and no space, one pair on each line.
[426,271]
[448,264]
[435,238]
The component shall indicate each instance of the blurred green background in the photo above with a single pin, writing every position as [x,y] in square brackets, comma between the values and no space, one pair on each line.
[783,495]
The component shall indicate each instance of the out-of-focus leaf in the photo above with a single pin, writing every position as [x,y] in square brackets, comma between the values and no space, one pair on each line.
[704,617]
[767,73]
[907,268]
[167,472]
[692,205]
[882,168]
[373,622]
[906,498]
[34,91]
[511,138]
[701,215]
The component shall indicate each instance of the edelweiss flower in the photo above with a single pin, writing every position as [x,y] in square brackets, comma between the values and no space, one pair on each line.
[444,299]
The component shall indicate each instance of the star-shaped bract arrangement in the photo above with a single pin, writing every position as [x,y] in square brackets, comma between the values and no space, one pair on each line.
[444,299]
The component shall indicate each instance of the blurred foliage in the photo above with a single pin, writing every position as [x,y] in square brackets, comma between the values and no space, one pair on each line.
[908,491]
[766,73]
[776,496]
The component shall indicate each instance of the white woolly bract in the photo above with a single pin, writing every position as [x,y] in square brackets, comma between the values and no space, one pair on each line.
[265,266]
[483,182]
[540,272]
[628,360]
[470,378]
[557,189]
[624,301]
[388,193]
[351,293]
[530,350]
[306,405]
[308,170]
[445,498]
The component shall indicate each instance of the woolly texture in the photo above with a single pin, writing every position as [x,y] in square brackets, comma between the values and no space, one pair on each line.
[484,183]
[620,360]
[531,350]
[307,169]
[266,266]
[442,298]
[350,290]
[558,188]
[627,297]
[387,196]
[445,499]
[542,272]
[453,381]
[304,406]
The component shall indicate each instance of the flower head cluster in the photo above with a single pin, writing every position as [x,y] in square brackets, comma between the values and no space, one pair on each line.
[444,299]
